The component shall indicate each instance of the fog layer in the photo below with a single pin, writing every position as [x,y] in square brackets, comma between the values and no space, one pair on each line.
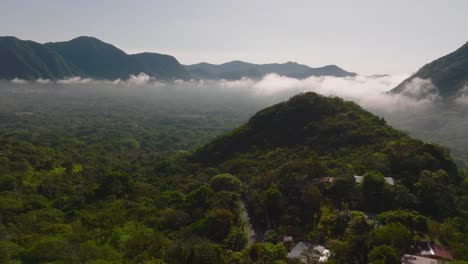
[418,109]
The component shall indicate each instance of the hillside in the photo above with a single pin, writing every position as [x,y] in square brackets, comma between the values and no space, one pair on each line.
[448,73]
[290,146]
[327,126]
[82,56]
[31,60]
[237,69]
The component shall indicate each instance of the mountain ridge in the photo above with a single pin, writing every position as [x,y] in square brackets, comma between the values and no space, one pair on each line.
[237,69]
[89,57]
[449,73]
[82,56]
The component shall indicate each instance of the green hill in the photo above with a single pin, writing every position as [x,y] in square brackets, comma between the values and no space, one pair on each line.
[285,150]
[324,125]
[448,73]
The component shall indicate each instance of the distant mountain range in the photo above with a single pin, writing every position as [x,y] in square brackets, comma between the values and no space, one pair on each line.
[82,56]
[448,73]
[93,58]
[237,69]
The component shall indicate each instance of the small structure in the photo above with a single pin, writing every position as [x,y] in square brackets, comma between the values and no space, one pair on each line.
[431,250]
[288,242]
[388,180]
[413,259]
[306,251]
[327,180]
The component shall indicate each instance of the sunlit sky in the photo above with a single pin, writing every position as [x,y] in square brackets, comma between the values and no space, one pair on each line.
[364,36]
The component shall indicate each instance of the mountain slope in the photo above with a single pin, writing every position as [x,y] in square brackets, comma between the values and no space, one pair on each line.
[448,73]
[82,56]
[159,66]
[285,150]
[324,124]
[94,57]
[237,69]
[31,60]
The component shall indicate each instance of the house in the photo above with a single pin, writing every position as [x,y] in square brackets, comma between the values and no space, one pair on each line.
[327,180]
[306,251]
[431,250]
[413,259]
[287,242]
[388,180]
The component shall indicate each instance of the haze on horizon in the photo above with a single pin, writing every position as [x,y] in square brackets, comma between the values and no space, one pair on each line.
[363,36]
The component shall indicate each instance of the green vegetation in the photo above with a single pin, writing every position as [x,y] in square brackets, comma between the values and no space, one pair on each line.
[448,73]
[110,179]
[285,150]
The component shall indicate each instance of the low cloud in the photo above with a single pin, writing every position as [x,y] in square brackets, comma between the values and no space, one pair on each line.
[75,80]
[368,91]
[43,81]
[19,81]
[418,109]
[421,89]
[462,98]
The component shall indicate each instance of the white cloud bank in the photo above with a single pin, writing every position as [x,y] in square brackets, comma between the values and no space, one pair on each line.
[368,91]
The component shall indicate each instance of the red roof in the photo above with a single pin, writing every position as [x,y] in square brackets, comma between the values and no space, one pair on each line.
[441,252]
[431,250]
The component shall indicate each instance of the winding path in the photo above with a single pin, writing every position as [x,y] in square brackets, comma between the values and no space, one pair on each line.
[247,225]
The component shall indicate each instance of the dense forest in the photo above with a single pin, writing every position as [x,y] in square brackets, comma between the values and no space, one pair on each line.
[115,174]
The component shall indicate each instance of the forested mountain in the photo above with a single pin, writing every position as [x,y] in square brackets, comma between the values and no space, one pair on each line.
[287,155]
[31,60]
[237,69]
[82,56]
[448,73]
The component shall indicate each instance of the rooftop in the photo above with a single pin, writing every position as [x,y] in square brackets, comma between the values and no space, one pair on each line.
[428,249]
[412,259]
[303,251]
[388,180]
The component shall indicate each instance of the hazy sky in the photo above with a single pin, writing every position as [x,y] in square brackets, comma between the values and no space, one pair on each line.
[365,36]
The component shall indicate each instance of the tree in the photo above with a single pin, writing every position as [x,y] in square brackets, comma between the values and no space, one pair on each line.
[342,190]
[203,197]
[266,252]
[383,255]
[226,182]
[145,246]
[311,198]
[434,194]
[270,200]
[216,225]
[195,250]
[357,237]
[116,183]
[413,220]
[373,190]
[395,235]
[373,183]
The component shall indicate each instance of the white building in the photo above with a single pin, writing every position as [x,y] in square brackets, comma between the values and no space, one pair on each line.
[388,180]
[304,251]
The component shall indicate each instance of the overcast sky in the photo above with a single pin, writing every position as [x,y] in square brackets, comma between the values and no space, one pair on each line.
[364,36]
